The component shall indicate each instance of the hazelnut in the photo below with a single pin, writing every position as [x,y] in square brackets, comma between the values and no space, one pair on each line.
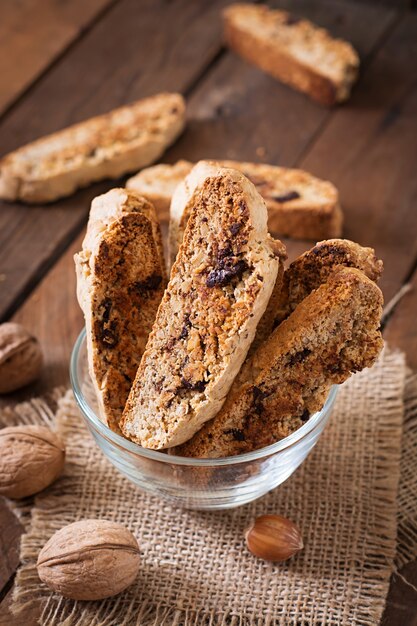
[20,357]
[89,560]
[273,538]
[31,458]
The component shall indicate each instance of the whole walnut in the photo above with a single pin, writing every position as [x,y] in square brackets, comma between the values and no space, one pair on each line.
[89,560]
[20,357]
[31,458]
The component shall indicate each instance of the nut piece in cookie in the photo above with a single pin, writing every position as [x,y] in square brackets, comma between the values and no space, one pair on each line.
[332,333]
[120,282]
[219,288]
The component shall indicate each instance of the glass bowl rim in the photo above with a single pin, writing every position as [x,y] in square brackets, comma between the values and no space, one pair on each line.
[133,448]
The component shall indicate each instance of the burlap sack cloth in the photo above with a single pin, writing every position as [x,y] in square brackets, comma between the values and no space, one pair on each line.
[195,568]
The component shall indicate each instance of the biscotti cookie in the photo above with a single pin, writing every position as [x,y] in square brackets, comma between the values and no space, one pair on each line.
[120,283]
[299,205]
[181,207]
[158,183]
[332,333]
[313,267]
[106,146]
[293,50]
[219,287]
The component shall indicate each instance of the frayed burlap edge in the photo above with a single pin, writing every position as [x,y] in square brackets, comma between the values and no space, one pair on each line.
[54,505]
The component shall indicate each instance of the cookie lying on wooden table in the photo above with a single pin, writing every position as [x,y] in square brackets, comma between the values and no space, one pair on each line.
[219,288]
[120,282]
[106,146]
[293,50]
[332,333]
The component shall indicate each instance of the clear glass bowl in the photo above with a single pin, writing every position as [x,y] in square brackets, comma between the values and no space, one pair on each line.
[196,483]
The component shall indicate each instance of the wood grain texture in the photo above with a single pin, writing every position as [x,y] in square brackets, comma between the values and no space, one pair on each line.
[238,112]
[393,4]
[30,617]
[33,33]
[134,51]
[401,604]
[369,151]
[401,328]
[52,314]
[11,530]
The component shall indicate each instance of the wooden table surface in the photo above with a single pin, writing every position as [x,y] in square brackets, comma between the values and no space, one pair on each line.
[62,62]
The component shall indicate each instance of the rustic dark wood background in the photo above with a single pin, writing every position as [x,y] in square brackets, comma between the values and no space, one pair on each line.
[63,61]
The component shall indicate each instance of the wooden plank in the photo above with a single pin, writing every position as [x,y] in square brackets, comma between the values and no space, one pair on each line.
[135,50]
[30,617]
[30,240]
[401,329]
[239,112]
[11,530]
[369,150]
[34,33]
[393,4]
[52,314]
[401,604]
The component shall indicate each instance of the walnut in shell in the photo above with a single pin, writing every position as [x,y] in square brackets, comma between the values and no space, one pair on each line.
[89,560]
[31,458]
[20,357]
